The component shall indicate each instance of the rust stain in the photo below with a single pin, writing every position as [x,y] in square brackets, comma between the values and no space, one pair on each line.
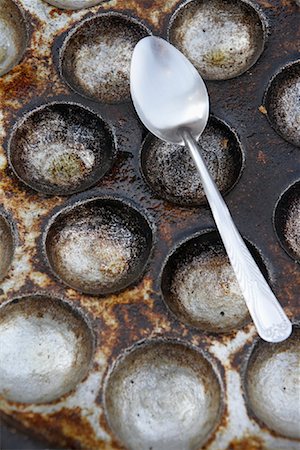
[153,11]
[139,312]
[248,443]
[263,110]
[68,428]
[262,157]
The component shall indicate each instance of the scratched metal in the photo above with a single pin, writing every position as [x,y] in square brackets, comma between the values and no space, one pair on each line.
[116,323]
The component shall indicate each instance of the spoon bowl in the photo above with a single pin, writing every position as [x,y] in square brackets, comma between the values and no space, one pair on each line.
[176,99]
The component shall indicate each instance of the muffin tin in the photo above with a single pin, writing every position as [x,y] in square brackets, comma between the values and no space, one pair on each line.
[115,285]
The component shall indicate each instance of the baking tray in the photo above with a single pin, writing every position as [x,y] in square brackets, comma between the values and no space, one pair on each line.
[142,348]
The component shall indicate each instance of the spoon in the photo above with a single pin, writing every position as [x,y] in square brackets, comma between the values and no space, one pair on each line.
[171,100]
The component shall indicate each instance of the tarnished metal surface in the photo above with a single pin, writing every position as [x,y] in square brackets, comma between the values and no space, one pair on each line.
[271,385]
[163,395]
[199,286]
[78,419]
[99,246]
[222,38]
[46,349]
[170,171]
[282,100]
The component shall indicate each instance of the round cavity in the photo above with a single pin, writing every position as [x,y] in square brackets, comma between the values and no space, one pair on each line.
[13,35]
[200,288]
[46,349]
[163,395]
[6,246]
[287,220]
[272,384]
[282,103]
[221,38]
[73,4]
[61,148]
[170,171]
[99,246]
[96,56]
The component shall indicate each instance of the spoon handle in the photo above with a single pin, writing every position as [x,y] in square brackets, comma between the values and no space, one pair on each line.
[267,314]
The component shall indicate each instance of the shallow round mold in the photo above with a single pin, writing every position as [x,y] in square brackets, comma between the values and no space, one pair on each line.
[199,285]
[171,173]
[287,220]
[74,4]
[46,349]
[61,148]
[282,102]
[272,383]
[96,56]
[7,245]
[99,246]
[163,395]
[221,38]
[13,35]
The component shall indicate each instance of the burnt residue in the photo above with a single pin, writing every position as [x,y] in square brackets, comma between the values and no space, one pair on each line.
[222,39]
[287,220]
[138,312]
[95,59]
[61,148]
[66,428]
[170,171]
[7,242]
[113,239]
[199,286]
[282,102]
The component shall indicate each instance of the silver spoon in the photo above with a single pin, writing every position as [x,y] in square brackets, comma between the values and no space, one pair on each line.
[171,99]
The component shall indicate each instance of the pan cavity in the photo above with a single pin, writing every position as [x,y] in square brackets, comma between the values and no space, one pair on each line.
[163,395]
[170,171]
[96,56]
[287,220]
[74,4]
[61,148]
[272,383]
[6,246]
[222,39]
[46,349]
[200,288]
[13,35]
[99,246]
[283,104]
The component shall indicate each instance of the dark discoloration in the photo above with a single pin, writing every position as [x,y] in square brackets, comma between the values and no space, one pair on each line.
[95,59]
[113,239]
[66,428]
[170,171]
[200,288]
[223,39]
[282,102]
[61,148]
[123,319]
[287,220]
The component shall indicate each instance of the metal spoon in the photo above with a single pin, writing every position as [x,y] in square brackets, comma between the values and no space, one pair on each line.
[171,99]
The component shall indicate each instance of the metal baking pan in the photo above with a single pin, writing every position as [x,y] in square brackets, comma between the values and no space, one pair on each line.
[121,323]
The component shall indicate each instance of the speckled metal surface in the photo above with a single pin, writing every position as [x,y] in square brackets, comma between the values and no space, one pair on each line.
[119,321]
